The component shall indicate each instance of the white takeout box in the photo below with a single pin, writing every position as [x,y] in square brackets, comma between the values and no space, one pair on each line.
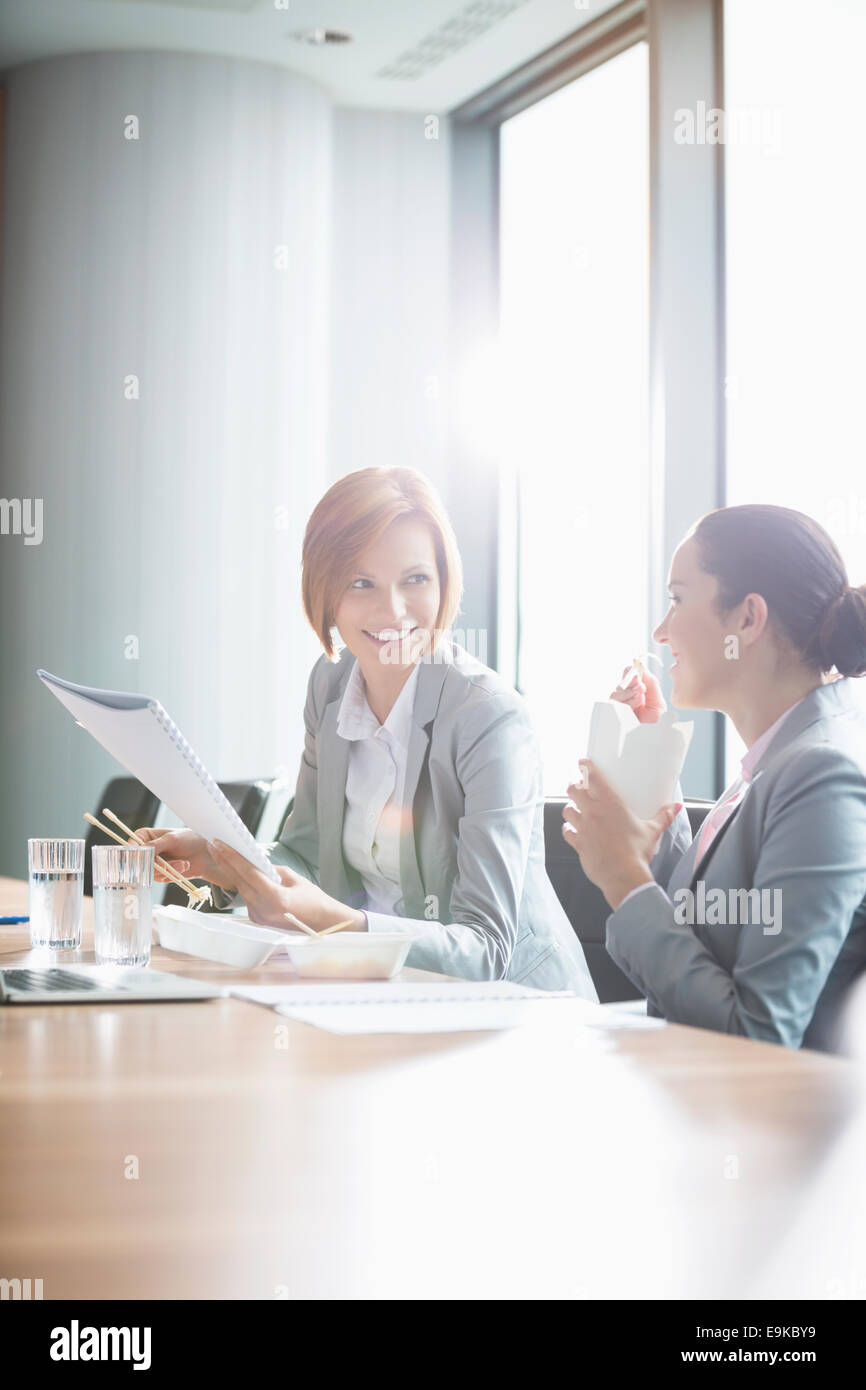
[349,955]
[642,762]
[230,940]
[235,940]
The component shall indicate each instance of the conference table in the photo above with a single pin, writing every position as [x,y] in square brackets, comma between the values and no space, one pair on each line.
[218,1150]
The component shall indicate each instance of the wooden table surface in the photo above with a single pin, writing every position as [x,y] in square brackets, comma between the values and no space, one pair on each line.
[177,1151]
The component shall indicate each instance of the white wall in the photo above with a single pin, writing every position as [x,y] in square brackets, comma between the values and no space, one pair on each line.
[389,366]
[156,257]
[413,293]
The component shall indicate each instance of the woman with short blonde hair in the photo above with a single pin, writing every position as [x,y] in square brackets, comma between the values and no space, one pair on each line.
[419,804]
[351,516]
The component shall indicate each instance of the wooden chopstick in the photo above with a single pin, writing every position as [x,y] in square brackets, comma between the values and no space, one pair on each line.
[185,883]
[296,922]
[339,927]
[166,868]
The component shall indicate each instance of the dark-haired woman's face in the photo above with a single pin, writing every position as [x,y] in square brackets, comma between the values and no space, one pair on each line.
[697,636]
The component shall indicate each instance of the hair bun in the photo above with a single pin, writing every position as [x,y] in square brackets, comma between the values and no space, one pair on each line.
[843,633]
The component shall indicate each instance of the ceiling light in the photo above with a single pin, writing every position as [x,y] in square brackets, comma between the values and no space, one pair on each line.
[322,36]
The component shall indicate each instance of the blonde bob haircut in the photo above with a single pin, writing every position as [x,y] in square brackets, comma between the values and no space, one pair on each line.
[352,516]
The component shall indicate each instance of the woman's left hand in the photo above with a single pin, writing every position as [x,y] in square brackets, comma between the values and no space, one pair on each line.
[268,902]
[614,845]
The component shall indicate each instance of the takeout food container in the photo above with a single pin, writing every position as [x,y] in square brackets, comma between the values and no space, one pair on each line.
[348,955]
[231,940]
[235,940]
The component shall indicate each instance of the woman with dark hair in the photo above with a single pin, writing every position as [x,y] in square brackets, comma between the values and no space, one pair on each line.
[761,926]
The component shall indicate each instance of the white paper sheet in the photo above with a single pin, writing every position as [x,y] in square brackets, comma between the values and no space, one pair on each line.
[449,1007]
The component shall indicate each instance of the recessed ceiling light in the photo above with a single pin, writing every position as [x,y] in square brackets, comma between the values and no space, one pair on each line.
[322,36]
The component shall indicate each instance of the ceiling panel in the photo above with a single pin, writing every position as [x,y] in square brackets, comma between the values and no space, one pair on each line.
[413,55]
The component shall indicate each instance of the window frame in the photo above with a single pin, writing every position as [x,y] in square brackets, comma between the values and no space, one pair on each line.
[686,351]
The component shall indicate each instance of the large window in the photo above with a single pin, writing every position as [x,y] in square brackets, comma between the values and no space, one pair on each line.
[796,269]
[574,334]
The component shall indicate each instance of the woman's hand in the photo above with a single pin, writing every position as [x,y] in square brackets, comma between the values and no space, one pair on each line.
[643,695]
[614,846]
[268,902]
[189,854]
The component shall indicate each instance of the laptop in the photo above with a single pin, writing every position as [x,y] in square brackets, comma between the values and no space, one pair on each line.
[97,984]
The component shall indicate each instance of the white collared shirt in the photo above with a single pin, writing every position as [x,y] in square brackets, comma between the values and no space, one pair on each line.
[375,781]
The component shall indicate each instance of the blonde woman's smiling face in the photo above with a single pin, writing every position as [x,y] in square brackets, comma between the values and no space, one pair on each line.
[393,598]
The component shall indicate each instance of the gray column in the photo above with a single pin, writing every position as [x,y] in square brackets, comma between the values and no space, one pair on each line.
[163,377]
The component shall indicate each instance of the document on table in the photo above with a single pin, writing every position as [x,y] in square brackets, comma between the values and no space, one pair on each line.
[447,1007]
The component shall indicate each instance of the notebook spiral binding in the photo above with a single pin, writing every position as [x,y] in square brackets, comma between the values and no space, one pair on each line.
[261,860]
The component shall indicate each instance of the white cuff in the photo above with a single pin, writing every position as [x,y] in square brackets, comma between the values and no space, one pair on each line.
[383,921]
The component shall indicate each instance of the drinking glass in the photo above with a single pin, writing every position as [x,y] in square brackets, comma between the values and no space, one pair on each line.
[122,915]
[56,883]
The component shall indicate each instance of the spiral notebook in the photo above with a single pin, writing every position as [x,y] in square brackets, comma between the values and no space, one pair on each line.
[139,733]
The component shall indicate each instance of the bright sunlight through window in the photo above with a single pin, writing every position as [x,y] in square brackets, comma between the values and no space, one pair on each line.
[796,270]
[574,341]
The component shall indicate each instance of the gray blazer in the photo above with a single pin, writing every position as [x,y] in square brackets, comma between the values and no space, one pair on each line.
[777,970]
[474,884]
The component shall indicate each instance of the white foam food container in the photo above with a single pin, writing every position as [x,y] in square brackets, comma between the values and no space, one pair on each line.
[230,940]
[235,940]
[349,955]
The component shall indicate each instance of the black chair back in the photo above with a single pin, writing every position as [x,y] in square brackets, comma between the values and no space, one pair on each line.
[132,802]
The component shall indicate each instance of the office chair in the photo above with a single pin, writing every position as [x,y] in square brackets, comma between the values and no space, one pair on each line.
[585,905]
[132,802]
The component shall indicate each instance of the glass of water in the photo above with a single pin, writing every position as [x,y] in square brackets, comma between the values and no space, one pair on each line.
[122,882]
[56,893]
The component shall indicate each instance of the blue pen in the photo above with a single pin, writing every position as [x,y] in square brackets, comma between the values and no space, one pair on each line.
[9,921]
